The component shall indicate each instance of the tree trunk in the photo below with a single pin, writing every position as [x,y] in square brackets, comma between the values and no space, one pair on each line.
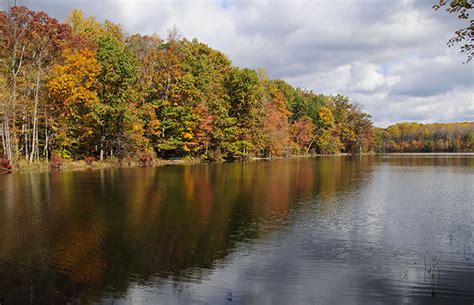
[37,155]
[16,66]
[6,137]
[34,143]
[46,137]
[310,144]
[25,139]
[3,139]
[13,104]
[15,71]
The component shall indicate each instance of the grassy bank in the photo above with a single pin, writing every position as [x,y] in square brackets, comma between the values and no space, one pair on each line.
[22,166]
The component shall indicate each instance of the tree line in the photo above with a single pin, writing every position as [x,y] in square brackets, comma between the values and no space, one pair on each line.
[85,88]
[415,137]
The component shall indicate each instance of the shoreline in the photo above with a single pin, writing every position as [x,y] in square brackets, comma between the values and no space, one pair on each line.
[23,167]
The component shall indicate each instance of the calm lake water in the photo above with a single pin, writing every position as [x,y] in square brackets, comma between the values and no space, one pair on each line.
[337,230]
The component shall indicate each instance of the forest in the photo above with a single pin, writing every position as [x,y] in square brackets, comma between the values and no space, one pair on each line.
[85,89]
[415,137]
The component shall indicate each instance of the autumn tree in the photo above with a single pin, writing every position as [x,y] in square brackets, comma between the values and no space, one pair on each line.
[89,28]
[119,122]
[47,38]
[209,68]
[244,94]
[328,141]
[275,127]
[303,132]
[31,41]
[74,104]
[171,90]
[354,126]
[465,35]
[14,27]
[146,49]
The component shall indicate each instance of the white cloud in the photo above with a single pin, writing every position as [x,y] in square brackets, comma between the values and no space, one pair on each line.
[368,78]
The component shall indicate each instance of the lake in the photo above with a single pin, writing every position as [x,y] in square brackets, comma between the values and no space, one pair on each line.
[391,229]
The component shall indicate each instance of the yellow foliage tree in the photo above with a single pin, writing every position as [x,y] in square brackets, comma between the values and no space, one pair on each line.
[328,141]
[73,92]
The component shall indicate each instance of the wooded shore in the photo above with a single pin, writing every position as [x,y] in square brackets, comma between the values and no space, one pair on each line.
[23,166]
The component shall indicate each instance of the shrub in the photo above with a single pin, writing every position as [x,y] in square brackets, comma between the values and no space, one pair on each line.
[127,160]
[145,159]
[56,162]
[5,166]
[89,160]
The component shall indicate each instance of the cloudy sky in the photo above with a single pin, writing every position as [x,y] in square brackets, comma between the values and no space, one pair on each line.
[389,56]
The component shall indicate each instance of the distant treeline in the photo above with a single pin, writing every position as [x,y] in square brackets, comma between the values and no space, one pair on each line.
[414,137]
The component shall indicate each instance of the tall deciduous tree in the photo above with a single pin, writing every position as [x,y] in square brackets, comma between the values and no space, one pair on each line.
[275,127]
[14,27]
[47,37]
[119,71]
[302,133]
[328,140]
[209,68]
[73,91]
[244,93]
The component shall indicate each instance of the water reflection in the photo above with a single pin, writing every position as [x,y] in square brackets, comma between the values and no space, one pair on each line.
[291,231]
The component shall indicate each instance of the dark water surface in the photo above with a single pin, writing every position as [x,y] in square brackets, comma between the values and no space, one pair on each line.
[335,230]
